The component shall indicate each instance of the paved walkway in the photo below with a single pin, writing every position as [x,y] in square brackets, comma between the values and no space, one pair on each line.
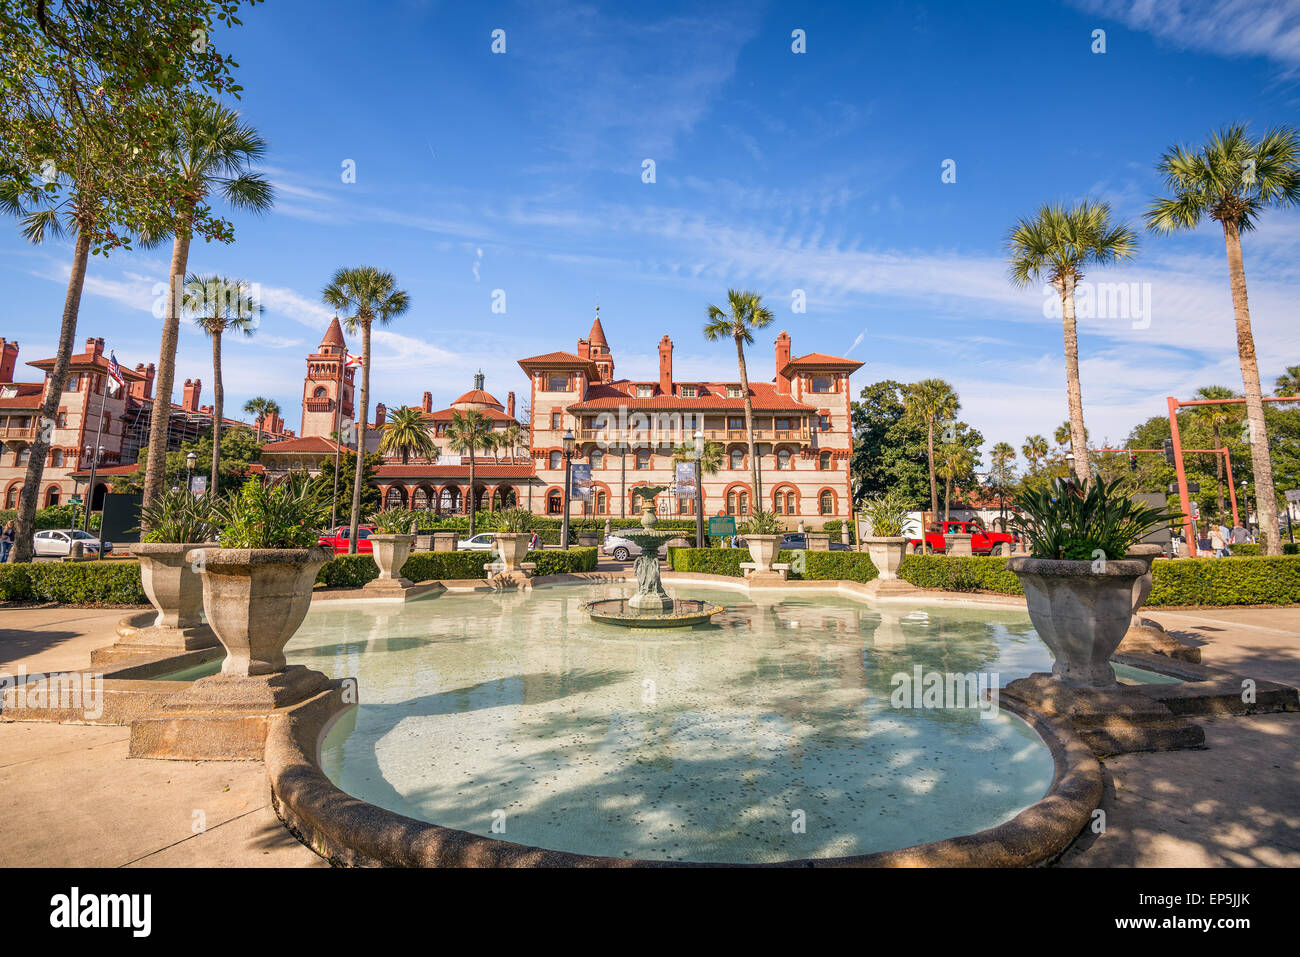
[70,796]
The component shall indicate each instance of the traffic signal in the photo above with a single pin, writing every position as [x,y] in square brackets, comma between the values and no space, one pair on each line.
[1132,462]
[1169,451]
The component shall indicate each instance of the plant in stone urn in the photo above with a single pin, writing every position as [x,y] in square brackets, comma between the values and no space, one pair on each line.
[177,521]
[513,535]
[887,515]
[391,542]
[1079,585]
[257,585]
[763,534]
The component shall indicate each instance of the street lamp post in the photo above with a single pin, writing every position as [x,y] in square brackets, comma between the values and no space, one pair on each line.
[1069,468]
[190,459]
[699,489]
[568,482]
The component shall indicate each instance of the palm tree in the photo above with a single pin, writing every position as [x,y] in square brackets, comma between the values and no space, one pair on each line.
[509,438]
[371,294]
[220,304]
[492,443]
[407,435]
[211,150]
[1216,417]
[79,214]
[955,464]
[1288,383]
[1231,179]
[259,408]
[1002,456]
[927,403]
[1056,244]
[1034,451]
[466,433]
[747,313]
[710,462]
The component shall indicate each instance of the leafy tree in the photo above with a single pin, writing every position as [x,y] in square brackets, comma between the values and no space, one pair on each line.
[1056,244]
[466,433]
[406,434]
[747,313]
[220,305]
[347,475]
[889,448]
[211,150]
[1232,179]
[1288,383]
[372,296]
[1035,452]
[1002,473]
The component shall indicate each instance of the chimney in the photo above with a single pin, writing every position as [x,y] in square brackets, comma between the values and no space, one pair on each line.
[782,360]
[8,360]
[143,388]
[428,402]
[190,395]
[94,347]
[381,413]
[584,349]
[666,366]
[510,404]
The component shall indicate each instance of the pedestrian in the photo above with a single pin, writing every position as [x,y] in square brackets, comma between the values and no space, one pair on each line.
[1226,537]
[1239,535]
[1217,544]
[6,541]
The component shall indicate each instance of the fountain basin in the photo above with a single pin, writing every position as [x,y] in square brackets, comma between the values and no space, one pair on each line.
[620,611]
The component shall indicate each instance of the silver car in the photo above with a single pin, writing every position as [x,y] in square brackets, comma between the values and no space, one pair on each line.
[57,543]
[624,548]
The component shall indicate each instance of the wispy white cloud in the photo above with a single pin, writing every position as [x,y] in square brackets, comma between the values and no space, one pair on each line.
[1268,28]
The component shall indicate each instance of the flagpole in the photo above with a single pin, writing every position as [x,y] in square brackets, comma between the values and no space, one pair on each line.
[94,458]
[338,442]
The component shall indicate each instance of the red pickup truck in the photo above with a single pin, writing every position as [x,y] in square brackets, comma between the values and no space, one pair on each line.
[337,539]
[982,542]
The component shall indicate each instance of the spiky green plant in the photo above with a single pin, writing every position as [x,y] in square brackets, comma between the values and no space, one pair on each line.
[887,514]
[393,521]
[177,516]
[286,514]
[763,523]
[514,520]
[1070,521]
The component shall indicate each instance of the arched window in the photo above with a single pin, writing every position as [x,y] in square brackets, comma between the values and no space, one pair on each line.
[642,458]
[790,507]
[602,503]
[449,500]
[783,460]
[827,502]
[597,458]
[778,503]
[737,458]
[52,496]
[554,503]
[11,499]
[396,497]
[824,462]
[318,392]
[420,497]
[556,461]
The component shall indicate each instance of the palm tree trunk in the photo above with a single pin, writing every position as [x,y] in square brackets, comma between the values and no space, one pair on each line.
[361,434]
[218,404]
[25,522]
[470,503]
[1265,496]
[160,421]
[1073,391]
[929,453]
[757,488]
[947,496]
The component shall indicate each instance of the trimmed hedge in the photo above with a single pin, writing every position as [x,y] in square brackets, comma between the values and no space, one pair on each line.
[960,573]
[353,571]
[1226,581]
[818,566]
[1244,550]
[111,582]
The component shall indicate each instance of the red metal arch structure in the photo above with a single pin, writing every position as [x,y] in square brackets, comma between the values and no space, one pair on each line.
[1189,533]
[1227,461]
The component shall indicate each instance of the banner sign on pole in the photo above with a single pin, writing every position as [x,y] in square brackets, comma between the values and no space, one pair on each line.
[581,489]
[686,480]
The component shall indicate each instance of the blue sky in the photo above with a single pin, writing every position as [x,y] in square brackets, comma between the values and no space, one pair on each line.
[775,171]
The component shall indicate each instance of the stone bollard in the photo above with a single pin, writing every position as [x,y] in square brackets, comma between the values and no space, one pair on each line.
[445,541]
[957,543]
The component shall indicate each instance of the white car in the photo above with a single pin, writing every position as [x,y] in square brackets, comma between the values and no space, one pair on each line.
[57,542]
[486,543]
[624,548]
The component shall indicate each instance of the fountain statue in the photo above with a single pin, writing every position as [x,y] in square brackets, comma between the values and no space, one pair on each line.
[651,606]
[650,594]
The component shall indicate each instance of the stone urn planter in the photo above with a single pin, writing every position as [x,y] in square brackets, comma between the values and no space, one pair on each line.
[255,599]
[391,553]
[1147,554]
[1081,611]
[763,550]
[512,547]
[886,554]
[957,543]
[171,583]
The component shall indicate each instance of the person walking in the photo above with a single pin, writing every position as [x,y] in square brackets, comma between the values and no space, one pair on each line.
[6,541]
[1217,543]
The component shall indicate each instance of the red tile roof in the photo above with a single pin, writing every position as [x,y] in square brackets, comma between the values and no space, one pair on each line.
[560,360]
[82,360]
[712,395]
[820,360]
[29,395]
[305,444]
[425,470]
[480,397]
[444,415]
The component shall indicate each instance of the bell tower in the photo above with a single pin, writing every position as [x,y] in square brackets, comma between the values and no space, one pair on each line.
[327,389]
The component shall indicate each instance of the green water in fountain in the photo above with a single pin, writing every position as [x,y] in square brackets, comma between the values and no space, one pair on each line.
[707,744]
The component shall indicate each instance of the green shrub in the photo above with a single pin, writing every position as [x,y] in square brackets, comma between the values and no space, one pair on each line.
[1226,581]
[561,562]
[832,528]
[960,573]
[827,566]
[111,582]
[818,566]
[1241,551]
[347,571]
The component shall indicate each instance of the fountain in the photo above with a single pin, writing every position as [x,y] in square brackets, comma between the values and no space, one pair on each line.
[651,606]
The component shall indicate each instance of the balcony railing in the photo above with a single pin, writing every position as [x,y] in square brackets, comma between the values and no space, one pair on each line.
[669,437]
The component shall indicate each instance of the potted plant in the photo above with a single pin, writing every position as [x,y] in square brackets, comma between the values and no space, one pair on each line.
[763,534]
[177,521]
[512,536]
[257,585]
[1079,585]
[392,540]
[887,516]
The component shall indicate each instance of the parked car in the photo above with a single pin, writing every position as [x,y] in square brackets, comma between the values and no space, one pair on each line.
[57,543]
[624,548]
[982,542]
[338,538]
[486,543]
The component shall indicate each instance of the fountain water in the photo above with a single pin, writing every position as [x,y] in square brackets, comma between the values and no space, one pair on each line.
[651,606]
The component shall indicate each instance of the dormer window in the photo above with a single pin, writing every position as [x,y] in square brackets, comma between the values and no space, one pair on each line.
[822,383]
[645,391]
[557,382]
[688,391]
[733,392]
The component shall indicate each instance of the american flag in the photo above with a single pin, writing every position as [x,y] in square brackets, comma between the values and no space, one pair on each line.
[115,371]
